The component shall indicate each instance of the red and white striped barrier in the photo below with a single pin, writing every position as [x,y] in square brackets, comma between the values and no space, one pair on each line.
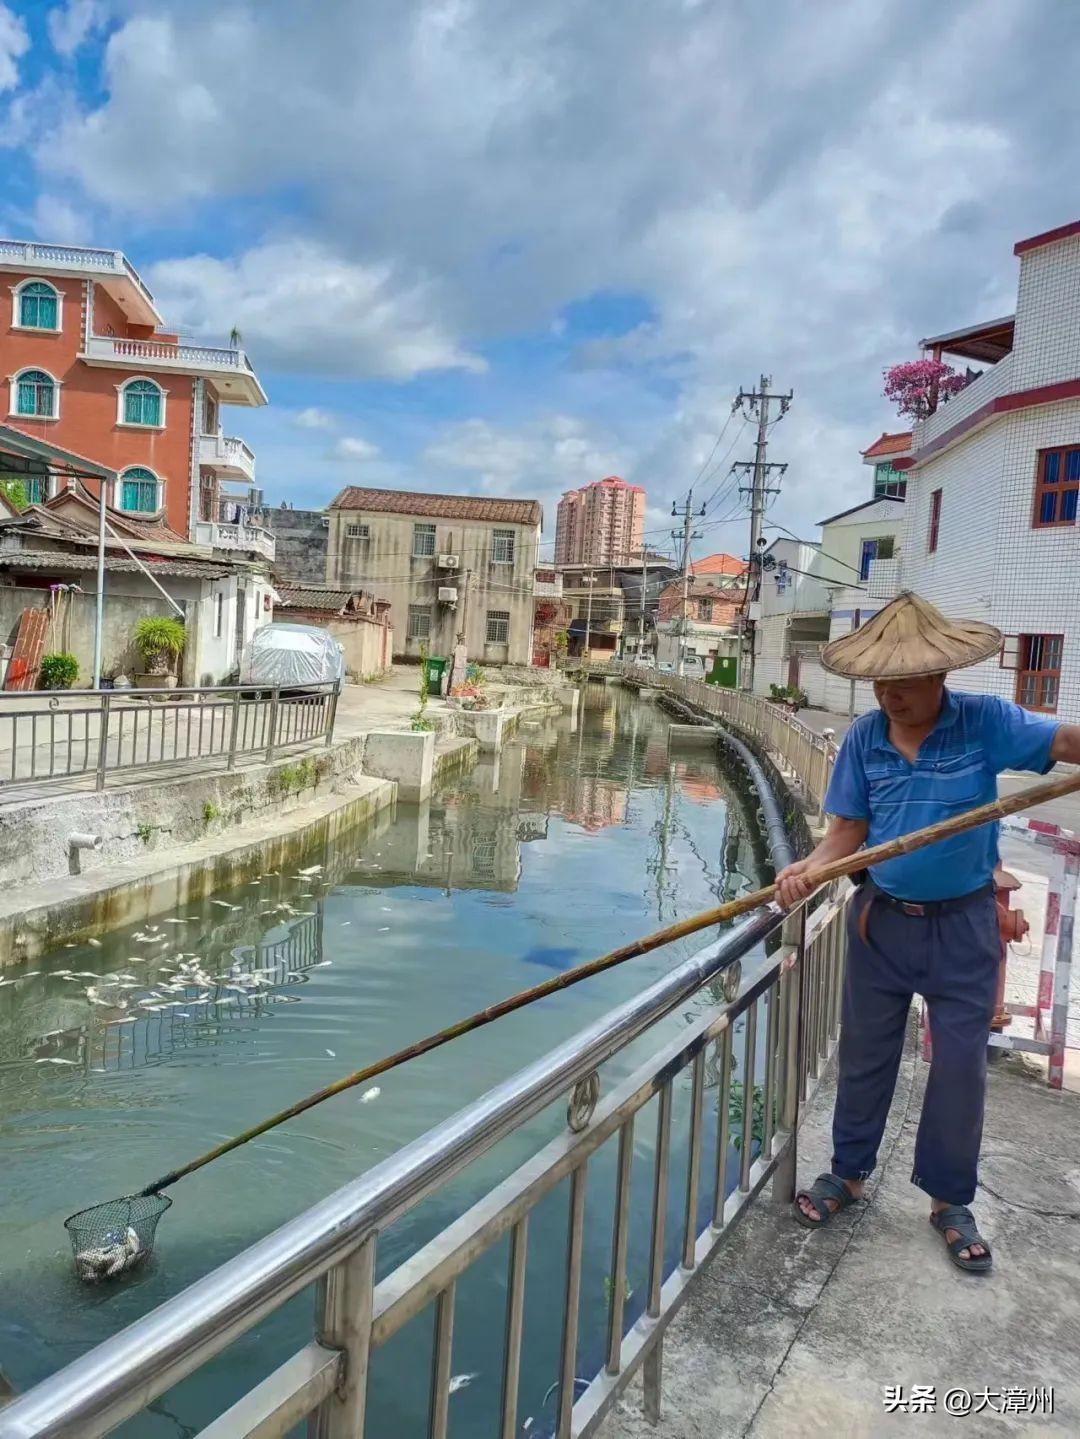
[1049,1013]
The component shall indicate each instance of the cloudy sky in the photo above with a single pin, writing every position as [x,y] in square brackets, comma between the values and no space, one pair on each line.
[513,247]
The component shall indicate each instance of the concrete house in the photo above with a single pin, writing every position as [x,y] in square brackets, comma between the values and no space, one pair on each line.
[993,480]
[449,565]
[90,368]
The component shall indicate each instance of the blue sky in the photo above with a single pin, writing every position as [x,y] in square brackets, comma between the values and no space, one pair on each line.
[480,245]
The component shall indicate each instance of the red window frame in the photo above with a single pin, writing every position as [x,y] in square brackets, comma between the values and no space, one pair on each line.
[1037,662]
[1057,487]
[935,522]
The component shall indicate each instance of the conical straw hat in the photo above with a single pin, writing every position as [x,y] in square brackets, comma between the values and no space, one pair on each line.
[909,637]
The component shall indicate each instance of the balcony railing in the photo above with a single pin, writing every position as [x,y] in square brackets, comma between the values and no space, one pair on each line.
[231,535]
[228,454]
[998,380]
[768,1028]
[166,352]
[71,257]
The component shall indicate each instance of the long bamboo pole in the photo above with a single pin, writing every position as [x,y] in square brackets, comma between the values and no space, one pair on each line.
[863,859]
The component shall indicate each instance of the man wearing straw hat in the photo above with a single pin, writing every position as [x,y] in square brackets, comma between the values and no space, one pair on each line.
[923,923]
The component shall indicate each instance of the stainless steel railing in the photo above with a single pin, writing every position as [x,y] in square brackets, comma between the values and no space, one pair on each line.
[83,738]
[788,1004]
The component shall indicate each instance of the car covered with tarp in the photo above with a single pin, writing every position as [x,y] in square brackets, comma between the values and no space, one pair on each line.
[292,656]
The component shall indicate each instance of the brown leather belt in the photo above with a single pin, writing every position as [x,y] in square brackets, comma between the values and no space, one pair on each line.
[917,909]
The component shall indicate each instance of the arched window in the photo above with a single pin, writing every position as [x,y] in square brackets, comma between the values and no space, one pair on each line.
[38,306]
[139,491]
[35,394]
[142,402]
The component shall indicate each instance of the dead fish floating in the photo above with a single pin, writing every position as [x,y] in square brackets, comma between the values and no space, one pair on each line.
[114,1255]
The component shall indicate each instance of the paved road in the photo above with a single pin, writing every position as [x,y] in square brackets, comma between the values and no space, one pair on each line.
[794,1334]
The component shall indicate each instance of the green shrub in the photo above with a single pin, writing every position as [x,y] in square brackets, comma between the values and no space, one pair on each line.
[159,636]
[210,812]
[58,672]
[144,831]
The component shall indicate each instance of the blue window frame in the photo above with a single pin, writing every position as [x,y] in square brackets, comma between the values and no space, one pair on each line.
[142,403]
[139,491]
[36,394]
[876,549]
[1057,486]
[39,307]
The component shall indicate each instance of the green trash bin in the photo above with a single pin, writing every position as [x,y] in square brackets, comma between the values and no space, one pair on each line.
[725,672]
[435,668]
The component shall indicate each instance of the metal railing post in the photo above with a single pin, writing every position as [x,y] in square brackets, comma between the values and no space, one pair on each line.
[331,718]
[346,1301]
[793,935]
[103,738]
[271,739]
[234,725]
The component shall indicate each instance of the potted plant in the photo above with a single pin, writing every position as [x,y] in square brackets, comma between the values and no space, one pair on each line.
[159,639]
[58,672]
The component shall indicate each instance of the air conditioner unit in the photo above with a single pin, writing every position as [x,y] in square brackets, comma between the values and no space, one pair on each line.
[447,595]
[449,562]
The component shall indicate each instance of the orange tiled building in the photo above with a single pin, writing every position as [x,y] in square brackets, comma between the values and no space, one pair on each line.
[90,368]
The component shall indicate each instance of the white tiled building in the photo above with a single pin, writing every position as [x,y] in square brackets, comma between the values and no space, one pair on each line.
[991,513]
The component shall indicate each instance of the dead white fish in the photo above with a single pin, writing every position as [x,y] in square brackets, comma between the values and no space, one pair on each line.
[117,1253]
[345,923]
[323,964]
[129,1020]
[176,921]
[73,1062]
[370,1094]
[311,869]
[385,909]
[331,1053]
[224,904]
[30,973]
[385,929]
[95,943]
[6,983]
[460,1381]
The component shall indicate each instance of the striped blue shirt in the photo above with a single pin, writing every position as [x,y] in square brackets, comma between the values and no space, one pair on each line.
[956,768]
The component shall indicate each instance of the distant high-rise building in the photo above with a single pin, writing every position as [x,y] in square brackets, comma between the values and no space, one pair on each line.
[600,524]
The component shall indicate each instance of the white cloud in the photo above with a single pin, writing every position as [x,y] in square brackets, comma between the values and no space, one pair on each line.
[56,220]
[301,306]
[351,447]
[312,418]
[458,171]
[537,460]
[14,43]
[71,25]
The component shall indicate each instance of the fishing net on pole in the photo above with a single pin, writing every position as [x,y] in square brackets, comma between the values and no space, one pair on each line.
[111,1238]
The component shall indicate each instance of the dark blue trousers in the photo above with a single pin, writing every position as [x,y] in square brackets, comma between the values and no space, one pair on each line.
[952,960]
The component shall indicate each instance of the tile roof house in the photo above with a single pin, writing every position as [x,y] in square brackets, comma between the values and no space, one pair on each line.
[49,560]
[454,568]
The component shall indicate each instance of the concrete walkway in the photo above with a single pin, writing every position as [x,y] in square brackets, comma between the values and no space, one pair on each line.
[792,1333]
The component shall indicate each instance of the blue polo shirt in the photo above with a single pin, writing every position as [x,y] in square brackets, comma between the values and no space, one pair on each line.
[956,769]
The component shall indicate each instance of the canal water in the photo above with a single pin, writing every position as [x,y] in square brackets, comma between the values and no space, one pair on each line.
[122,1059]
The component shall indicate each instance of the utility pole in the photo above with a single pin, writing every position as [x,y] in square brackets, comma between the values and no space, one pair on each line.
[590,580]
[641,616]
[758,402]
[685,540]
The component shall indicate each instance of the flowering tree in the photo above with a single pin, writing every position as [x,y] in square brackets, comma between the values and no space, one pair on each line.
[916,386]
